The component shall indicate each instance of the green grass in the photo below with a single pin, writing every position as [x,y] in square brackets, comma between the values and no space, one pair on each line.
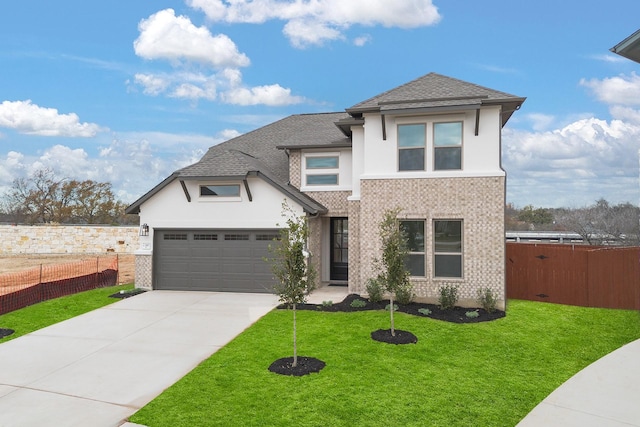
[489,374]
[47,313]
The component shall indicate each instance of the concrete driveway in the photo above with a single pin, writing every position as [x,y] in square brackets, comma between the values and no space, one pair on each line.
[99,368]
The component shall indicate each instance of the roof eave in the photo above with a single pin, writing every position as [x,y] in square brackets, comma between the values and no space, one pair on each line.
[629,47]
[134,208]
[305,146]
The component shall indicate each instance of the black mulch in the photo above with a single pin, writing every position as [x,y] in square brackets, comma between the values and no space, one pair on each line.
[455,315]
[5,332]
[400,337]
[127,294]
[306,365]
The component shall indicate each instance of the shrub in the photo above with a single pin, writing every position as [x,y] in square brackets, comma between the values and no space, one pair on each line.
[375,289]
[472,314]
[327,303]
[424,311]
[388,307]
[358,303]
[404,294]
[448,297]
[487,299]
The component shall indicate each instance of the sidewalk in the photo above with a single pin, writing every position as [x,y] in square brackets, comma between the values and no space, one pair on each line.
[604,394]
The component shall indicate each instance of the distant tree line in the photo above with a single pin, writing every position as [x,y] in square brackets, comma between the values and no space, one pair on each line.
[44,199]
[600,223]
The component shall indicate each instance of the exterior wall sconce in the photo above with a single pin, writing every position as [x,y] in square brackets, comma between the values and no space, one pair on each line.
[144,230]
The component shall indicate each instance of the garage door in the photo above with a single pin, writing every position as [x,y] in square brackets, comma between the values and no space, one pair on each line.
[213,260]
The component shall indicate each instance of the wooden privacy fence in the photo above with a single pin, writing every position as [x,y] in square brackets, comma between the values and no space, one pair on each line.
[589,276]
[24,288]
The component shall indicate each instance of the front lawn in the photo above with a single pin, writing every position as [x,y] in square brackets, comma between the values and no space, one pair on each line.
[56,310]
[488,374]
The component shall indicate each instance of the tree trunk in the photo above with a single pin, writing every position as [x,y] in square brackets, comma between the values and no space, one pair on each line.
[393,329]
[295,344]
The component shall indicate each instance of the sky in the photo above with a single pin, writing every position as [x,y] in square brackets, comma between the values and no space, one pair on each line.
[128,91]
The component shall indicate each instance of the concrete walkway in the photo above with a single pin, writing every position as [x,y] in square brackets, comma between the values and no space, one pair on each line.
[99,368]
[604,394]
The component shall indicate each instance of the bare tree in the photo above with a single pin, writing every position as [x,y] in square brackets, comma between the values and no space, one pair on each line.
[43,198]
[602,223]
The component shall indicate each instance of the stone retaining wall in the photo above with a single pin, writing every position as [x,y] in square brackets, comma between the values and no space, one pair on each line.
[67,239]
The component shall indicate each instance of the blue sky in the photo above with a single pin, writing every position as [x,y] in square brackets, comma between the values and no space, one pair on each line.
[129,91]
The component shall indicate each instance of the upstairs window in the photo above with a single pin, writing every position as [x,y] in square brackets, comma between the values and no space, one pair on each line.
[447,146]
[322,170]
[226,190]
[411,147]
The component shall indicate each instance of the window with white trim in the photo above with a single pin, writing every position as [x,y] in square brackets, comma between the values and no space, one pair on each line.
[220,190]
[414,232]
[447,248]
[412,141]
[321,169]
[447,146]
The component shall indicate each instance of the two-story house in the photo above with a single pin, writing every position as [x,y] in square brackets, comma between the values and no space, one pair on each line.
[431,148]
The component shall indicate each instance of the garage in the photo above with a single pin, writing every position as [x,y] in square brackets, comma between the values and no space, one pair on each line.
[213,260]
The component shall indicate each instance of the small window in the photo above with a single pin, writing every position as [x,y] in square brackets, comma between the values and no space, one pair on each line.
[324,179]
[175,236]
[267,237]
[205,237]
[411,147]
[447,145]
[447,248]
[220,190]
[414,232]
[236,237]
[322,162]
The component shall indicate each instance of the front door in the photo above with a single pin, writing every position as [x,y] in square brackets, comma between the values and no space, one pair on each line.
[339,249]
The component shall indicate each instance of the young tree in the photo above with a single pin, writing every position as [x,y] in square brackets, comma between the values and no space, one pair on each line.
[394,273]
[295,275]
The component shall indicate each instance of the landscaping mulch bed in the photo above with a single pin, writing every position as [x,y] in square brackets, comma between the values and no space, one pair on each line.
[306,365]
[127,294]
[454,315]
[400,337]
[5,332]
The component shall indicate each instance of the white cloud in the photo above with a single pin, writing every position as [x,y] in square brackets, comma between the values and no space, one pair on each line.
[314,22]
[362,40]
[574,165]
[166,36]
[152,84]
[175,39]
[28,118]
[619,90]
[132,162]
[540,121]
[273,95]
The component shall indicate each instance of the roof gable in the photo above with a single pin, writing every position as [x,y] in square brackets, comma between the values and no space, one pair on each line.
[435,91]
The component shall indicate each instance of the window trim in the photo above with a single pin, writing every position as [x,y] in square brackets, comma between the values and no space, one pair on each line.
[424,244]
[319,171]
[216,198]
[423,147]
[459,146]
[460,254]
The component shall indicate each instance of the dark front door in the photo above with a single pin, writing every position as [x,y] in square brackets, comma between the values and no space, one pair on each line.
[339,249]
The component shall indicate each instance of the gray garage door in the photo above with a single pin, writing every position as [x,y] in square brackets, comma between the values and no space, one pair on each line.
[213,260]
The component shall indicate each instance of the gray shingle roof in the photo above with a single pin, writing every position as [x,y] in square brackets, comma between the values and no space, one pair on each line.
[256,153]
[437,91]
[261,152]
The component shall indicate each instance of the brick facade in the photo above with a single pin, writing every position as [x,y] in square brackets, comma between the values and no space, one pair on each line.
[478,202]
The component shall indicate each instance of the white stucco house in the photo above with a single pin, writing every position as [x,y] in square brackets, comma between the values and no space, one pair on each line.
[431,147]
